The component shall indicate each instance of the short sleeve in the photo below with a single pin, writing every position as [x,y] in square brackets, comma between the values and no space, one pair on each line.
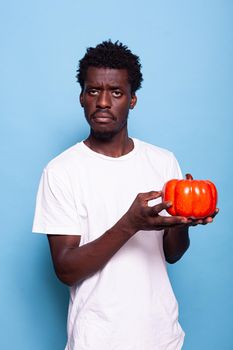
[174,172]
[55,211]
[174,169]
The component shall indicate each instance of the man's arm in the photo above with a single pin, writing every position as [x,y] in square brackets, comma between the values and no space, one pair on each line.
[175,243]
[176,239]
[73,263]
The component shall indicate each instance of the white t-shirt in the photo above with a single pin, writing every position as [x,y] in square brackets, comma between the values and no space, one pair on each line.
[129,304]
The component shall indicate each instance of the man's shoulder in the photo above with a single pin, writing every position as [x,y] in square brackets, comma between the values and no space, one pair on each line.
[65,159]
[155,150]
[162,159]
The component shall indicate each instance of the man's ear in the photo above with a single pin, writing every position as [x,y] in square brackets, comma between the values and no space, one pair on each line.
[133,101]
[81,99]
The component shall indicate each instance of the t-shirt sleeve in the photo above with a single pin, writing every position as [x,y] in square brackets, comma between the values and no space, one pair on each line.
[56,211]
[174,170]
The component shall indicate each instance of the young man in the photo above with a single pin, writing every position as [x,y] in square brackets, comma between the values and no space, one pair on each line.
[100,204]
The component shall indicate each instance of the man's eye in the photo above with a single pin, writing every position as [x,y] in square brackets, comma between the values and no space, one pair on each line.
[117,93]
[93,92]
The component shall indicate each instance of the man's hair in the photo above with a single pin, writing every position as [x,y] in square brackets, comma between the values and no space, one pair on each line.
[111,55]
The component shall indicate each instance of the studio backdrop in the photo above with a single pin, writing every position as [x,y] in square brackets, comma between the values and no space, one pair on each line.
[185,105]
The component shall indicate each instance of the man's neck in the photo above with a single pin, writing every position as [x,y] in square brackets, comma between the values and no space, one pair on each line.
[117,146]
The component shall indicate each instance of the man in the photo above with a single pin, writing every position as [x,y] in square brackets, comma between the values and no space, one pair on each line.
[100,204]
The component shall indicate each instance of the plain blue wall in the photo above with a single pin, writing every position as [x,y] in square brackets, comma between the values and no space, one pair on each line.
[185,105]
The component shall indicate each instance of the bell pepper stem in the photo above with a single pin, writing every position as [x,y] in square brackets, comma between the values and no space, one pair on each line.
[189,177]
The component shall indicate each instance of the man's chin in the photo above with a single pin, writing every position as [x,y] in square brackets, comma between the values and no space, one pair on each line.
[103,135]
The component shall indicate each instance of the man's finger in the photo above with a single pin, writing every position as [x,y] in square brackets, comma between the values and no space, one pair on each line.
[156,209]
[215,213]
[169,221]
[152,195]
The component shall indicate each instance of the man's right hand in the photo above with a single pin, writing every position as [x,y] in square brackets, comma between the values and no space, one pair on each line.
[141,216]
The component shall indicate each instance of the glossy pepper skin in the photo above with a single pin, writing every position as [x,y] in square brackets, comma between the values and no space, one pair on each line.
[190,198]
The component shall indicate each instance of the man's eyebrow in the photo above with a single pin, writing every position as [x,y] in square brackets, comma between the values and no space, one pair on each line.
[92,86]
[114,87]
[99,86]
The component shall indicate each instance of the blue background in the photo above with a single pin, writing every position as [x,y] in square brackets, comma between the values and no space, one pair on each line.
[185,105]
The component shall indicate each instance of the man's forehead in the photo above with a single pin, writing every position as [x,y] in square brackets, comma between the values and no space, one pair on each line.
[103,74]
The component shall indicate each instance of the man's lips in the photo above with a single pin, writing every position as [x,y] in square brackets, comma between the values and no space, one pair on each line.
[102,117]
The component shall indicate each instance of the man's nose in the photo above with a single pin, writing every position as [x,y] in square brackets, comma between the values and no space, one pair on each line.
[104,100]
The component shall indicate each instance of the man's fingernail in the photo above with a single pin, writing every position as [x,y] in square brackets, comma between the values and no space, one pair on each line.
[184,220]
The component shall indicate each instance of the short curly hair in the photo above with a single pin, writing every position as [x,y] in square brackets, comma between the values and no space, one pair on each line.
[111,55]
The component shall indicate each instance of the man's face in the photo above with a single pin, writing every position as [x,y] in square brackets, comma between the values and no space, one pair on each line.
[106,99]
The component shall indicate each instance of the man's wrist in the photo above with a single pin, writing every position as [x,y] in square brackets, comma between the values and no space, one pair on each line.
[126,226]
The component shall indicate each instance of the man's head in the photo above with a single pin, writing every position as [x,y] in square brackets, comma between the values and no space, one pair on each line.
[111,55]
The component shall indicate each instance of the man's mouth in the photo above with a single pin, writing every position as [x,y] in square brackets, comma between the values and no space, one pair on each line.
[102,117]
